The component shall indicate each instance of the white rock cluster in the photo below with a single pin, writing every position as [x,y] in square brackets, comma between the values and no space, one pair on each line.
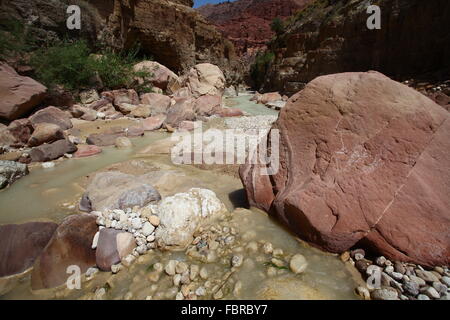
[171,223]
[134,221]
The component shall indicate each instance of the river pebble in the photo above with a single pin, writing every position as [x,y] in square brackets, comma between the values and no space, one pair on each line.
[298,264]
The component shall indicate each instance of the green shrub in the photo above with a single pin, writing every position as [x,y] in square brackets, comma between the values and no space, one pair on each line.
[277,26]
[14,38]
[72,65]
[260,67]
[66,64]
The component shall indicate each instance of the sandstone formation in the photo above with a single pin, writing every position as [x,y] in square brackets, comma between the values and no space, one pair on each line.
[246,23]
[363,162]
[331,36]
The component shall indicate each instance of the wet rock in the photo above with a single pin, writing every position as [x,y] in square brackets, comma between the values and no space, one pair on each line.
[134,131]
[22,244]
[87,151]
[411,288]
[298,264]
[18,95]
[70,245]
[308,124]
[427,276]
[52,115]
[170,268]
[384,294]
[113,246]
[431,293]
[236,260]
[103,192]
[104,139]
[10,171]
[45,133]
[180,216]
[363,292]
[52,151]
[123,143]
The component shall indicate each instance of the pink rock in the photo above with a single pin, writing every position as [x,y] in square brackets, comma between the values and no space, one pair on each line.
[159,103]
[18,95]
[229,112]
[363,161]
[153,123]
[52,115]
[269,97]
[121,96]
[87,151]
[207,105]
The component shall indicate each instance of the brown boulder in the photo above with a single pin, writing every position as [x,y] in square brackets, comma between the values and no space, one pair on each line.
[363,161]
[142,111]
[52,115]
[70,245]
[18,95]
[52,151]
[45,133]
[22,244]
[269,97]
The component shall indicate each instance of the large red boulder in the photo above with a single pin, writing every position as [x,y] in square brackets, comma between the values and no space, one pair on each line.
[363,161]
[71,244]
[18,95]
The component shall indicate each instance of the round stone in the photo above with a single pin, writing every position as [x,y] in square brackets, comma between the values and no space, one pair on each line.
[298,264]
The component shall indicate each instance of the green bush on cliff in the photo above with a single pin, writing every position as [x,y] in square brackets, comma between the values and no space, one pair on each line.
[14,39]
[277,26]
[72,65]
[260,67]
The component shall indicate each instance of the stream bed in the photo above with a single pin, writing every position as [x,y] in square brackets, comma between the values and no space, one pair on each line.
[52,194]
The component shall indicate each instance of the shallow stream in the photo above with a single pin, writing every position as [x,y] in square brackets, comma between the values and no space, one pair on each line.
[53,194]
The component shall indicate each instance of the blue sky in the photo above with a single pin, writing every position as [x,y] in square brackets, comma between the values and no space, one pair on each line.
[198,3]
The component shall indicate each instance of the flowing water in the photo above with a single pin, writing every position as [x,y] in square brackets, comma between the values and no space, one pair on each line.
[53,194]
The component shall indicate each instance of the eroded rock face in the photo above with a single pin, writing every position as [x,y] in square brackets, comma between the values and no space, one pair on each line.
[69,245]
[363,160]
[178,46]
[246,23]
[18,95]
[116,190]
[331,37]
[22,244]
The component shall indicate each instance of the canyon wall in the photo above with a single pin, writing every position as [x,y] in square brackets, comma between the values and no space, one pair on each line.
[331,36]
[246,23]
